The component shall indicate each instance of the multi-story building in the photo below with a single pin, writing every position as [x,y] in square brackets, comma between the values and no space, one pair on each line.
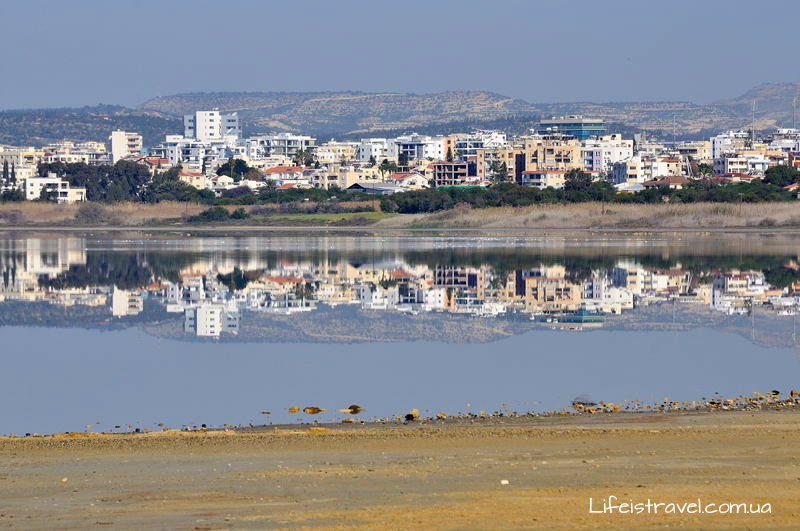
[454,173]
[207,126]
[747,163]
[546,294]
[286,144]
[212,319]
[376,149]
[698,150]
[641,168]
[418,147]
[19,156]
[600,153]
[124,144]
[575,126]
[71,152]
[337,152]
[729,142]
[543,178]
[53,188]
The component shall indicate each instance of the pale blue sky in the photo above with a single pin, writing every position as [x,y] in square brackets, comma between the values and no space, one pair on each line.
[126,51]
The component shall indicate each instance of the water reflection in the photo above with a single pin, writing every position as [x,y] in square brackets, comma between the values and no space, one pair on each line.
[173,330]
[389,289]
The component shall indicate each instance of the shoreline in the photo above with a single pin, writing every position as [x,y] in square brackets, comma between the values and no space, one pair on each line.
[496,474]
[383,229]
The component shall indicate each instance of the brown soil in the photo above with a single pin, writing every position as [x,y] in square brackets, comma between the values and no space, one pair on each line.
[444,475]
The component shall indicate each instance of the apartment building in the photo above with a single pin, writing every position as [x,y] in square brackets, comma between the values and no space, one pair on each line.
[547,295]
[641,168]
[418,147]
[376,149]
[19,156]
[207,126]
[729,142]
[337,152]
[53,188]
[748,163]
[454,173]
[69,152]
[575,126]
[124,144]
[599,154]
[699,151]
[286,144]
[543,178]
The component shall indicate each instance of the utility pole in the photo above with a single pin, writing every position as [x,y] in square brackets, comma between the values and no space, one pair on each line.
[753,125]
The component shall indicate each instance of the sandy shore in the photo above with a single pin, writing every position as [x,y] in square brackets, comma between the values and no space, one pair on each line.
[444,475]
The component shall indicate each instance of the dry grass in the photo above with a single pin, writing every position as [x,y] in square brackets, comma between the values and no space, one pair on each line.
[36,213]
[610,216]
[571,216]
[124,214]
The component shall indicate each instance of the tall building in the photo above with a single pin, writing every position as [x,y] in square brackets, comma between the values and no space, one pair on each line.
[577,126]
[211,125]
[124,144]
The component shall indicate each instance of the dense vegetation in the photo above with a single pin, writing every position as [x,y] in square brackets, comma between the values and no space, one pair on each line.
[579,189]
[127,181]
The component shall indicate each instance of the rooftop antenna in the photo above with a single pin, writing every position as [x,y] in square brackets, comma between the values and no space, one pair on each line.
[794,107]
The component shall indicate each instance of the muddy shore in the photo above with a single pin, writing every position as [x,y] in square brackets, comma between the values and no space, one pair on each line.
[524,473]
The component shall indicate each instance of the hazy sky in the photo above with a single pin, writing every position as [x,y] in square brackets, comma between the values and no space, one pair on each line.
[125,51]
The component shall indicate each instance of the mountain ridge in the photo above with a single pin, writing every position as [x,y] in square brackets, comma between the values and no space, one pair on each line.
[353,114]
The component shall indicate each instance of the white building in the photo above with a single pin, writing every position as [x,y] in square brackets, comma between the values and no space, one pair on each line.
[286,144]
[207,126]
[124,302]
[212,319]
[418,147]
[599,154]
[374,148]
[55,188]
[71,152]
[467,145]
[728,142]
[124,144]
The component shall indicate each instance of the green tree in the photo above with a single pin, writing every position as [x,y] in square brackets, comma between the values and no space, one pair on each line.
[576,180]
[498,171]
[303,157]
[387,167]
[449,156]
[372,160]
[6,174]
[781,176]
[402,160]
[705,169]
[234,168]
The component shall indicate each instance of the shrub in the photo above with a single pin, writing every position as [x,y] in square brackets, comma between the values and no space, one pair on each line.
[240,213]
[95,214]
[212,214]
[12,217]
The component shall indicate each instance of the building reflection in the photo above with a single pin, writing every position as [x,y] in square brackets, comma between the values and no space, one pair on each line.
[214,290]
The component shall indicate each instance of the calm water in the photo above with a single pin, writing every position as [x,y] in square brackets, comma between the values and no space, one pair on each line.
[118,330]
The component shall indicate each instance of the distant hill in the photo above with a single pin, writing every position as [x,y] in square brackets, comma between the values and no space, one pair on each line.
[773,103]
[352,114]
[329,113]
[356,114]
[36,127]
